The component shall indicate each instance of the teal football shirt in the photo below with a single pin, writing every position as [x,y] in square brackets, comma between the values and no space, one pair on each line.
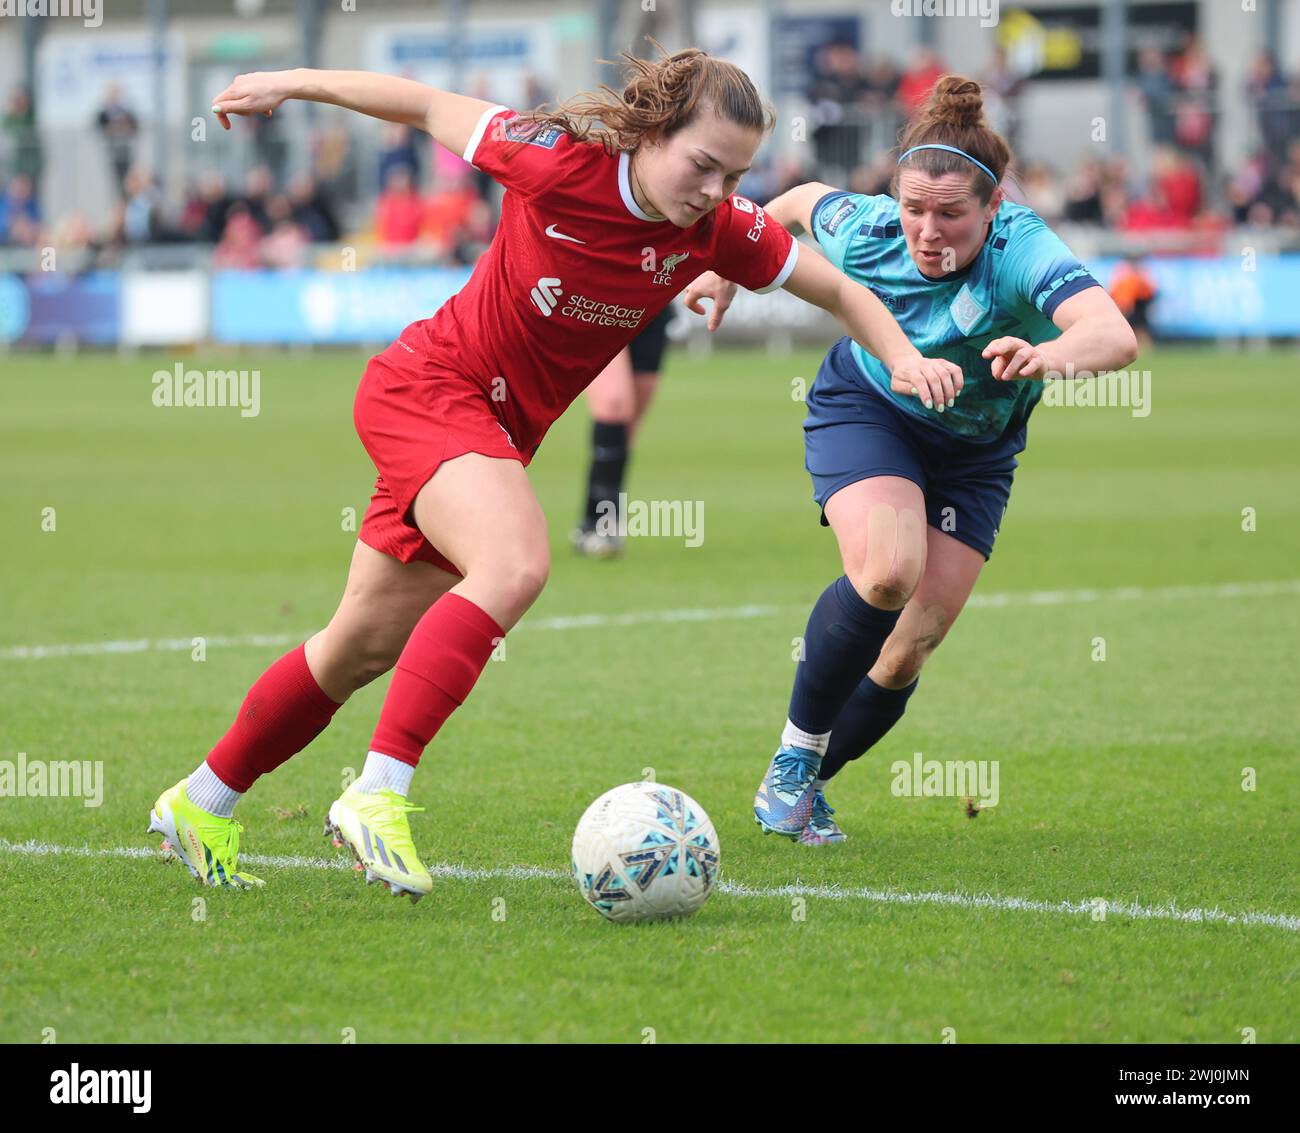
[1012,287]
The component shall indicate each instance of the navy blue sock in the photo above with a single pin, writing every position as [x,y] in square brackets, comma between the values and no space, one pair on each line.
[609,453]
[867,715]
[842,641]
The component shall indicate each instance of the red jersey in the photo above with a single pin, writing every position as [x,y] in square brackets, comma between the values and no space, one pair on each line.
[576,271]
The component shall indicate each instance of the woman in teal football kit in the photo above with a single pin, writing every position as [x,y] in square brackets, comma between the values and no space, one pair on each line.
[915,486]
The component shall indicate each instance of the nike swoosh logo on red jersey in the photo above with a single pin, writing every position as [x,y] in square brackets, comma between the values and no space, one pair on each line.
[550,231]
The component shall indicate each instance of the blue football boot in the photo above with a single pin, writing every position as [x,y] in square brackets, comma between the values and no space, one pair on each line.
[822,829]
[784,802]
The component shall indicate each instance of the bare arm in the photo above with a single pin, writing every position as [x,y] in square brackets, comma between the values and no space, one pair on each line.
[794,208]
[936,381]
[1095,334]
[1095,337]
[450,118]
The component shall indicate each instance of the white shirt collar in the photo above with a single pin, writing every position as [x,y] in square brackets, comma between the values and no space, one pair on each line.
[625,190]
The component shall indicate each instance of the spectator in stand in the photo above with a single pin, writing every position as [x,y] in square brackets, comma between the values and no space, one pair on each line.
[1195,83]
[1002,90]
[20,216]
[399,149]
[837,92]
[113,243]
[1115,192]
[1165,206]
[453,218]
[19,125]
[141,219]
[873,180]
[79,246]
[119,127]
[216,206]
[472,240]
[1285,190]
[270,149]
[399,213]
[915,85]
[1245,188]
[1278,203]
[240,245]
[1293,108]
[286,246]
[1259,215]
[335,165]
[788,173]
[1149,213]
[1083,193]
[1156,88]
[1179,185]
[194,213]
[880,101]
[313,211]
[1267,92]
[259,184]
[1043,192]
[882,83]
[773,177]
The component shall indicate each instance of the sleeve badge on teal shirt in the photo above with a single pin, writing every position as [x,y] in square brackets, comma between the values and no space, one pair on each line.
[838,217]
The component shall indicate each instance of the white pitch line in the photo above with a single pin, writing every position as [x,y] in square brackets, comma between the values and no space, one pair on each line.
[1285,587]
[448,871]
[1022,904]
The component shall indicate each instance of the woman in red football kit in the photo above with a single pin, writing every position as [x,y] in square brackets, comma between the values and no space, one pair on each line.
[614,204]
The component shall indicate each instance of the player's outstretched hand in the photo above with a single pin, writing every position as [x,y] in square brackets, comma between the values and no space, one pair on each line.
[710,286]
[1015,358]
[258,93]
[936,381]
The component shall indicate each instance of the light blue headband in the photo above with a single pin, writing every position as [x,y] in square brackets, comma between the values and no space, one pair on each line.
[950,149]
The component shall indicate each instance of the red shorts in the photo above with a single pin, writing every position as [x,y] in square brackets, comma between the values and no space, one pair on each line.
[412,414]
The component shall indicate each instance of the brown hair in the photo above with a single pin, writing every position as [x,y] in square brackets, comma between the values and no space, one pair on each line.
[664,95]
[954,116]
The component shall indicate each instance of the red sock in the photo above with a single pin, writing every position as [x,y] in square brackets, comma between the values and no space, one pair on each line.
[283,712]
[439,665]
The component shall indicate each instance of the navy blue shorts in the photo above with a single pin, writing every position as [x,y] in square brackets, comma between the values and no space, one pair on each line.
[852,434]
[647,348]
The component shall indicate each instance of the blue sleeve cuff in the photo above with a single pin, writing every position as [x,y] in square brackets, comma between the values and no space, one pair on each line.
[1072,286]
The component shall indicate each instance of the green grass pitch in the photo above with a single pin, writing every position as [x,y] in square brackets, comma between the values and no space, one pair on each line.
[1120,779]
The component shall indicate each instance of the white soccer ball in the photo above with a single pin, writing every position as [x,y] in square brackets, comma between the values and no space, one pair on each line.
[644,852]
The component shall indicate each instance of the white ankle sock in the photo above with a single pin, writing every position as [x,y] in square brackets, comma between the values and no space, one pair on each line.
[793,736]
[207,792]
[383,771]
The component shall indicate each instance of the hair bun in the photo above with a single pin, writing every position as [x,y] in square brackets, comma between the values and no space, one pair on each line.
[956,101]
